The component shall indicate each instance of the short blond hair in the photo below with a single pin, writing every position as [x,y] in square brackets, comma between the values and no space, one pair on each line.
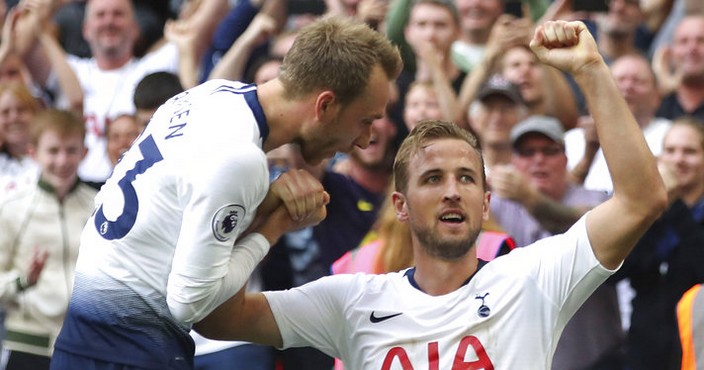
[425,131]
[337,54]
[64,123]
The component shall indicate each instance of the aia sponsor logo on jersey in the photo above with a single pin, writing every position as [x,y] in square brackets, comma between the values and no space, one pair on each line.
[226,220]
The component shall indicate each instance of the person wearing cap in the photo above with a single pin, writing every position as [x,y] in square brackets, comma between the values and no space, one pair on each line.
[532,195]
[532,198]
[498,108]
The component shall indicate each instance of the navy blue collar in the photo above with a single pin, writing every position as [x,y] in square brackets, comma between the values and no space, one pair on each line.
[250,96]
[410,274]
[253,101]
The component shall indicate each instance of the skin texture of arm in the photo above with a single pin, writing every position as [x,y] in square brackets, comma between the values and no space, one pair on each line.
[68,81]
[559,99]
[232,64]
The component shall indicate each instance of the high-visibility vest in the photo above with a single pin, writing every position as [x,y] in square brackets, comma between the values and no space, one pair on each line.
[690,318]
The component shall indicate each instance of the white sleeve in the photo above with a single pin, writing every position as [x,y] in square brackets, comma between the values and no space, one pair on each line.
[563,266]
[222,198]
[313,314]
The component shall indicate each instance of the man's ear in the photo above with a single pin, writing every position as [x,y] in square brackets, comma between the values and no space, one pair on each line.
[485,205]
[399,201]
[325,105]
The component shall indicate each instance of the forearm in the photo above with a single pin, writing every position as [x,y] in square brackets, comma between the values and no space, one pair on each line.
[232,64]
[621,138]
[581,170]
[396,19]
[559,99]
[471,85]
[67,79]
[245,316]
[206,19]
[656,12]
[188,69]
[447,98]
[552,215]
[190,300]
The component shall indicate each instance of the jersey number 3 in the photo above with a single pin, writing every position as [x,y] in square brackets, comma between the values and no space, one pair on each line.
[117,229]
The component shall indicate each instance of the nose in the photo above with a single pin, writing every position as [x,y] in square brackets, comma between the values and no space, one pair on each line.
[363,139]
[451,190]
[13,114]
[63,158]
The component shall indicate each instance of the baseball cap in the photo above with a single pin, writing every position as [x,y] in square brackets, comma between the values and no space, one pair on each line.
[497,85]
[545,125]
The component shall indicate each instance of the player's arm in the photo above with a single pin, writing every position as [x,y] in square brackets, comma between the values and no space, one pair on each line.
[302,196]
[639,195]
[245,316]
[206,269]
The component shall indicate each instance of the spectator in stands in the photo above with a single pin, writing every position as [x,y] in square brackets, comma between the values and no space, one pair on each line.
[17,109]
[151,92]
[40,226]
[120,134]
[497,108]
[686,76]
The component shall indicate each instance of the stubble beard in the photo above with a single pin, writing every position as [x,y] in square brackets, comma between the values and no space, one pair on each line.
[446,249]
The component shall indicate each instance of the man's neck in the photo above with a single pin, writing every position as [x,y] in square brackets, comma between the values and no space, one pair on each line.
[691,195]
[476,37]
[17,150]
[112,63]
[61,190]
[283,116]
[690,93]
[438,277]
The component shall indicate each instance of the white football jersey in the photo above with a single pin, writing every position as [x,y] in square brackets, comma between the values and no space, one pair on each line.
[169,216]
[508,316]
